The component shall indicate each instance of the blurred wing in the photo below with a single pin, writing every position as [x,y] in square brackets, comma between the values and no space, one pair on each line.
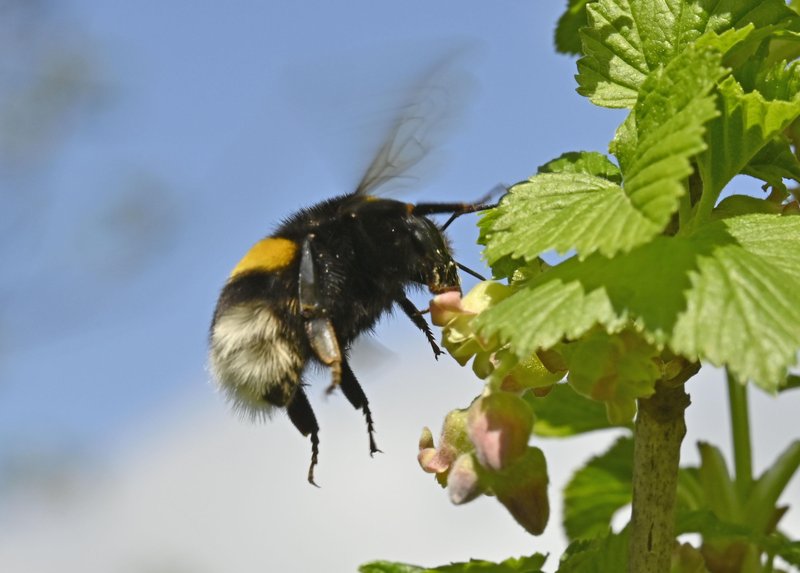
[405,153]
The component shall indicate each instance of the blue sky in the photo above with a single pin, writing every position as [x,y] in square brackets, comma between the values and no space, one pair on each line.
[209,124]
[220,121]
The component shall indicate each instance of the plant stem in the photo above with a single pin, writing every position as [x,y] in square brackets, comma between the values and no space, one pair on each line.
[658,434]
[740,429]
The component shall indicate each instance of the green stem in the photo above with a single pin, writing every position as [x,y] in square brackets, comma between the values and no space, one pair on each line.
[740,429]
[657,436]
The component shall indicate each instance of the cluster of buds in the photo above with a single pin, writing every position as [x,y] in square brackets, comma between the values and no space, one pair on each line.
[493,362]
[484,450]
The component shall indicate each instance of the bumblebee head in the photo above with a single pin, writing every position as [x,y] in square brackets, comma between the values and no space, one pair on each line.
[435,266]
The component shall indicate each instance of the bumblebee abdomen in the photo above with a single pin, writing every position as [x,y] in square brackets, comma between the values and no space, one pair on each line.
[258,349]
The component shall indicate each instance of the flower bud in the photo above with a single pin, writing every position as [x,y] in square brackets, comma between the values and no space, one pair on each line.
[522,489]
[463,483]
[454,442]
[499,427]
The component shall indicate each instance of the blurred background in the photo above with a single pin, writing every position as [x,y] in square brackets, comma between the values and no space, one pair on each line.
[143,148]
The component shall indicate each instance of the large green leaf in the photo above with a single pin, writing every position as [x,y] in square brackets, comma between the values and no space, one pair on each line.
[598,490]
[627,40]
[582,207]
[726,294]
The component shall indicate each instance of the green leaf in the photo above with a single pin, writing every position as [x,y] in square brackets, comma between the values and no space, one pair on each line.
[626,40]
[770,485]
[749,286]
[710,526]
[792,382]
[673,107]
[564,211]
[747,123]
[608,554]
[718,487]
[531,564]
[737,205]
[773,163]
[615,369]
[567,39]
[389,567]
[598,490]
[581,207]
[564,412]
[687,559]
[726,294]
[587,162]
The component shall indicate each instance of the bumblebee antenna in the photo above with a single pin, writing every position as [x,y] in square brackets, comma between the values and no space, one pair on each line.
[469,271]
[479,205]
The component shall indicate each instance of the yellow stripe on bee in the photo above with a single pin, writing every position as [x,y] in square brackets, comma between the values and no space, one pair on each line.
[270,254]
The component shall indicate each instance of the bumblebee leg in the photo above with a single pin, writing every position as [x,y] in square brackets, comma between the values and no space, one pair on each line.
[355,395]
[323,341]
[302,416]
[416,317]
[319,328]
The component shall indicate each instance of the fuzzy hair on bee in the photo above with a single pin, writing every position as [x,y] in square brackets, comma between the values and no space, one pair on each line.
[327,274]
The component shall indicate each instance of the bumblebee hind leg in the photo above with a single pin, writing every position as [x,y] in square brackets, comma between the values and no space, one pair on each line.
[319,328]
[355,395]
[302,416]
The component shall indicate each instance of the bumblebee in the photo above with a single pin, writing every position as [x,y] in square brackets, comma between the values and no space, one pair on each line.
[328,274]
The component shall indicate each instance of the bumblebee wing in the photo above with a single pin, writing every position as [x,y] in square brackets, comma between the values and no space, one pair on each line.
[420,127]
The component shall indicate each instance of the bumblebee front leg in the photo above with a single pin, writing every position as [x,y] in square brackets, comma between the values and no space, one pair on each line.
[302,416]
[416,317]
[319,328]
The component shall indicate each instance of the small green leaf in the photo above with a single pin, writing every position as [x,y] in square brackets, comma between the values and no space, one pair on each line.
[748,122]
[763,498]
[737,205]
[567,39]
[615,369]
[707,524]
[586,162]
[564,412]
[792,382]
[718,487]
[389,567]
[598,490]
[773,163]
[608,554]
[531,564]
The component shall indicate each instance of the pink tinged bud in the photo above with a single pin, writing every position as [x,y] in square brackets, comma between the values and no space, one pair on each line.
[523,491]
[463,483]
[499,427]
[454,442]
[445,307]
